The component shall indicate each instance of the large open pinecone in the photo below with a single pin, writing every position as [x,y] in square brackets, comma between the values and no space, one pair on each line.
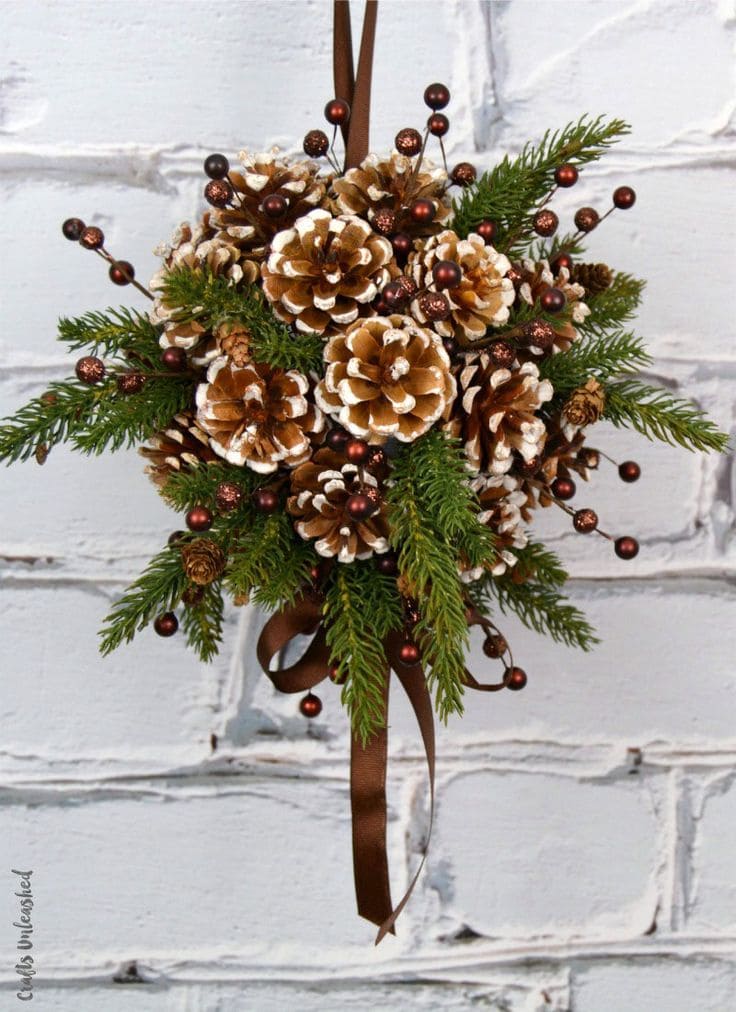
[181,446]
[321,490]
[324,273]
[386,376]
[389,184]
[482,298]
[501,503]
[257,415]
[496,413]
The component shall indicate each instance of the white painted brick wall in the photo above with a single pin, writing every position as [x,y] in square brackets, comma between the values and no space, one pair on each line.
[584,855]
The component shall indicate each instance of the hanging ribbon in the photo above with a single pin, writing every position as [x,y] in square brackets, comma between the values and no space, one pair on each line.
[355,90]
[369,762]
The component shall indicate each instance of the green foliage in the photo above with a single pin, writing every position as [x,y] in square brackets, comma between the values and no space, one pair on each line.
[536,561]
[212,300]
[656,414]
[52,418]
[201,623]
[185,489]
[601,357]
[361,608]
[544,609]
[269,561]
[114,332]
[614,306]
[511,192]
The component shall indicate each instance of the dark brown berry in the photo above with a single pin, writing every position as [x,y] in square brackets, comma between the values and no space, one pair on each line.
[408,142]
[121,273]
[624,197]
[586,219]
[337,112]
[566,175]
[216,166]
[73,228]
[437,95]
[316,144]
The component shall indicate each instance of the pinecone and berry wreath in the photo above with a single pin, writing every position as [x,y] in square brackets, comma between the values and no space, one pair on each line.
[358,378]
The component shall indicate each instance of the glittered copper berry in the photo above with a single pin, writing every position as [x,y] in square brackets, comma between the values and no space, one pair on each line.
[356,450]
[402,245]
[73,228]
[174,359]
[626,547]
[422,211]
[585,521]
[538,334]
[376,459]
[266,500]
[131,382]
[384,221]
[566,175]
[589,457]
[438,124]
[387,564]
[494,646]
[90,370]
[409,286]
[166,624]
[502,354]
[436,95]
[464,174]
[92,237]
[409,653]
[447,274]
[560,261]
[336,439]
[563,488]
[434,306]
[586,219]
[359,506]
[624,197]
[515,679]
[337,112]
[552,300]
[121,272]
[545,222]
[199,519]
[216,166]
[394,295]
[228,496]
[275,206]
[629,471]
[218,192]
[310,705]
[316,144]
[486,229]
[408,142]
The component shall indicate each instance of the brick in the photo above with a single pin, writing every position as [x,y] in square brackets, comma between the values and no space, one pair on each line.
[713,900]
[678,985]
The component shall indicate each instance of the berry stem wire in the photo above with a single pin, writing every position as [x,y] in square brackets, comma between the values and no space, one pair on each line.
[116,263]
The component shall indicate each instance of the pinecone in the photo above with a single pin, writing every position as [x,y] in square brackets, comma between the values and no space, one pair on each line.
[537,277]
[595,278]
[482,298]
[560,460]
[245,223]
[324,273]
[583,407]
[181,446]
[386,376]
[390,185]
[495,413]
[501,502]
[233,339]
[203,560]
[321,493]
[257,415]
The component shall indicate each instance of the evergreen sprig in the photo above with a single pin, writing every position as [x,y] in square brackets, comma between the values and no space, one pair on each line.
[202,622]
[511,192]
[602,357]
[361,607]
[212,300]
[656,414]
[614,306]
[537,562]
[65,408]
[198,486]
[269,562]
[541,607]
[114,332]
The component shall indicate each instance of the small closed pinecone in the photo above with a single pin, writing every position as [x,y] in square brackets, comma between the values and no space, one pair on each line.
[325,272]
[496,413]
[583,407]
[181,446]
[321,489]
[233,339]
[257,415]
[203,560]
[482,298]
[379,184]
[595,278]
[386,376]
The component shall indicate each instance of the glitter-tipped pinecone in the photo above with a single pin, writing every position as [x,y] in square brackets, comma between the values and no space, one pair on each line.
[501,503]
[324,272]
[181,446]
[537,278]
[386,376]
[388,184]
[496,413]
[257,415]
[484,294]
[324,495]
[245,223]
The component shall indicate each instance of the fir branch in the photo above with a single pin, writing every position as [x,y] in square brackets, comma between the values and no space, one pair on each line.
[114,332]
[537,562]
[510,193]
[185,489]
[202,622]
[656,414]
[157,590]
[614,306]
[603,357]
[361,608]
[212,300]
[64,409]
[269,561]
[546,249]
[543,609]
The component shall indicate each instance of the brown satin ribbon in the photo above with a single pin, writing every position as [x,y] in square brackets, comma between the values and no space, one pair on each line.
[356,90]
[368,763]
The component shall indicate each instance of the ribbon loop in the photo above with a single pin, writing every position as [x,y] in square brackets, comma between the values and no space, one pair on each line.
[355,90]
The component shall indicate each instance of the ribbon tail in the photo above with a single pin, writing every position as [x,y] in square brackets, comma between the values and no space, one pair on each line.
[359,132]
[342,57]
